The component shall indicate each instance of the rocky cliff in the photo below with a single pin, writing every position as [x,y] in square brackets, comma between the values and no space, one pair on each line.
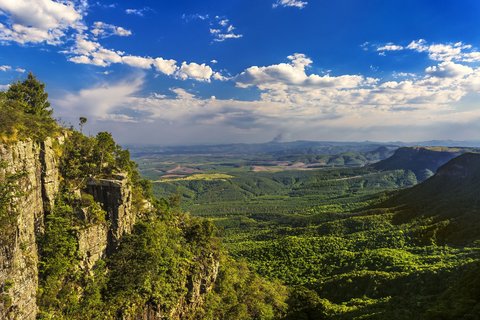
[115,196]
[37,180]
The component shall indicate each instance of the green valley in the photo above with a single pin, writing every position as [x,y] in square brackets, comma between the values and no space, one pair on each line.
[370,242]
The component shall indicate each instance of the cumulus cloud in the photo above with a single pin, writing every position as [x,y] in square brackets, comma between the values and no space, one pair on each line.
[38,21]
[290,3]
[449,69]
[5,68]
[168,67]
[291,98]
[91,52]
[294,73]
[390,47]
[100,102]
[47,21]
[200,72]
[102,29]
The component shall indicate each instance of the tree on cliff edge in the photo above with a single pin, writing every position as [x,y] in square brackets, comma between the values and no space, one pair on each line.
[32,96]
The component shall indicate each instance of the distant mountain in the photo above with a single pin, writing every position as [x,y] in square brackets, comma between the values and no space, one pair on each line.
[422,161]
[278,148]
[271,148]
[444,143]
[451,199]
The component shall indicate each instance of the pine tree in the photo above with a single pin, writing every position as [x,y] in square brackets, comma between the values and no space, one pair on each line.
[31,95]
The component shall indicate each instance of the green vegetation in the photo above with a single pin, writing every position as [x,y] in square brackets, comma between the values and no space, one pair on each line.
[203,176]
[422,161]
[241,294]
[347,244]
[31,96]
[86,157]
[25,112]
[9,189]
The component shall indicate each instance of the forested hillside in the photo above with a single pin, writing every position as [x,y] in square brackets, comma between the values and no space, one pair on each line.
[347,242]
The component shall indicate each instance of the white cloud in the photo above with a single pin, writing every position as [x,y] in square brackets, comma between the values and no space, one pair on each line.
[196,16]
[138,12]
[390,47]
[449,69]
[138,62]
[86,51]
[101,101]
[290,3]
[445,52]
[102,29]
[5,68]
[294,73]
[291,99]
[38,21]
[403,75]
[199,72]
[167,67]
[223,30]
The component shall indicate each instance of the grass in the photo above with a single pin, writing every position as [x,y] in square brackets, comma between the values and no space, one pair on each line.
[199,177]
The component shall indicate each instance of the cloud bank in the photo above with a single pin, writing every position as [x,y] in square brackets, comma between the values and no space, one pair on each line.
[302,103]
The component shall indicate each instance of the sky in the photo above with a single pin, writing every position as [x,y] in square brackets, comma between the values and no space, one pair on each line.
[228,71]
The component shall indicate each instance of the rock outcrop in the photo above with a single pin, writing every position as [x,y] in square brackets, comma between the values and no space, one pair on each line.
[92,245]
[115,196]
[36,163]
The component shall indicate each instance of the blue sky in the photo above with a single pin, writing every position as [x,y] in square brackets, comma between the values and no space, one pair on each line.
[189,72]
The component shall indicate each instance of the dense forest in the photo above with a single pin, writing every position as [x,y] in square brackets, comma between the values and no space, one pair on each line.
[352,243]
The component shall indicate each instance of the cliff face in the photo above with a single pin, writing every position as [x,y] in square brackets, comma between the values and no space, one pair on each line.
[37,187]
[198,284]
[38,184]
[115,196]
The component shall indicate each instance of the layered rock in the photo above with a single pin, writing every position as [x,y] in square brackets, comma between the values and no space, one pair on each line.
[92,245]
[37,187]
[115,196]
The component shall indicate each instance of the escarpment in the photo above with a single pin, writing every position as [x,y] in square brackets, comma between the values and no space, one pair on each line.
[34,166]
[103,212]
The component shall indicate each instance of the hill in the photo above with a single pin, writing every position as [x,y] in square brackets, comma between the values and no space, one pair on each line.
[422,161]
[451,198]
